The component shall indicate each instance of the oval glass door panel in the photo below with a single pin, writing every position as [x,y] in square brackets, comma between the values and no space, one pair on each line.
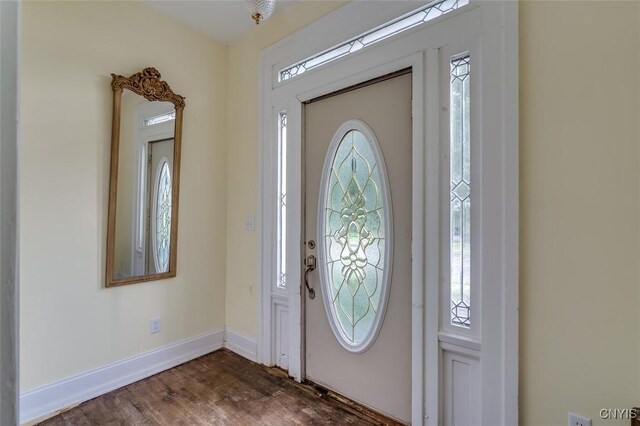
[162,222]
[355,236]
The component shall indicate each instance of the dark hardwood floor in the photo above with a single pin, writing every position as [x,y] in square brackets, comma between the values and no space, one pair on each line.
[220,388]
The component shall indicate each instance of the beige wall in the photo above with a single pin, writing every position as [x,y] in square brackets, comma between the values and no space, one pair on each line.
[69,322]
[242,129]
[580,210]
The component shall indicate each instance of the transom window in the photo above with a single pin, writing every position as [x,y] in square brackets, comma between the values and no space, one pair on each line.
[160,118]
[425,14]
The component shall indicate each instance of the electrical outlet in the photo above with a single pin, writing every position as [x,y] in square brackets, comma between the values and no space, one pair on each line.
[250,223]
[576,420]
[155,325]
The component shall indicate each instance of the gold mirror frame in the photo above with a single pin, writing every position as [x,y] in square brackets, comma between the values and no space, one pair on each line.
[149,85]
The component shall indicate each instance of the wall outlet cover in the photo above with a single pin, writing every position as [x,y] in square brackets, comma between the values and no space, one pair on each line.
[576,420]
[155,325]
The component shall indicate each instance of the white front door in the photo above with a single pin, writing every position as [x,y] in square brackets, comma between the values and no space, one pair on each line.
[358,229]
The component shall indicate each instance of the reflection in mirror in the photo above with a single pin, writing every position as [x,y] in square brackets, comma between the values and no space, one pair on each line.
[144,195]
[144,182]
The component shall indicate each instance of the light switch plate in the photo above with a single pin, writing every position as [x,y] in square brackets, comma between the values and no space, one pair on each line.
[576,420]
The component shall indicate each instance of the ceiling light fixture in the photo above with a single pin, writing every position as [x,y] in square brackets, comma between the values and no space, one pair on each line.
[261,9]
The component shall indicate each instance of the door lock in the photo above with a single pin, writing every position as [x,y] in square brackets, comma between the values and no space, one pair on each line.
[310,263]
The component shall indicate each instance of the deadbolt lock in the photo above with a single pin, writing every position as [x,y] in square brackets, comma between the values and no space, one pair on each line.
[311,244]
[310,262]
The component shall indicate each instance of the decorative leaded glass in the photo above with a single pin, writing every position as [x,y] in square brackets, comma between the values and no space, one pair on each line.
[427,13]
[355,238]
[163,219]
[460,195]
[160,118]
[282,200]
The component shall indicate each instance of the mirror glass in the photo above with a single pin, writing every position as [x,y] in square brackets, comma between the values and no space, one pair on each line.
[144,187]
[144,180]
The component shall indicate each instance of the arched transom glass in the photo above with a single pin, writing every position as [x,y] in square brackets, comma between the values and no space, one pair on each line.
[355,236]
[162,237]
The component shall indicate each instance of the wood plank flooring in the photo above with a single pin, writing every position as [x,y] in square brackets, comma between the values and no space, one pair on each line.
[220,388]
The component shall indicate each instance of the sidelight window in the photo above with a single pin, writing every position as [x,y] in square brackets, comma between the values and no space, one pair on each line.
[281,280]
[460,192]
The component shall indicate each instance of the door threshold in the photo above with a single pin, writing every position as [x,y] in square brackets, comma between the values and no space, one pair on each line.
[362,410]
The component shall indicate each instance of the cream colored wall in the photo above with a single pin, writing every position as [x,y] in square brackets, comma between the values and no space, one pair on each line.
[580,209]
[69,323]
[242,158]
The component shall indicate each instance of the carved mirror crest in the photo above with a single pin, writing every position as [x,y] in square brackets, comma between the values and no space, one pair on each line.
[144,182]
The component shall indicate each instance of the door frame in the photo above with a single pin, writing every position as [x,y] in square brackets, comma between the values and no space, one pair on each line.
[496,24]
[10,55]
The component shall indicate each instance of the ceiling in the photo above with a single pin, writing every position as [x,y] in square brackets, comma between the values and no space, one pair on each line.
[222,20]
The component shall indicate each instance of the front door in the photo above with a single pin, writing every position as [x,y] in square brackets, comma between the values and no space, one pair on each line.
[159,205]
[358,230]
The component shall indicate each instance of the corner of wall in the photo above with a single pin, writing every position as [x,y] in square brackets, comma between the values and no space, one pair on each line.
[243,97]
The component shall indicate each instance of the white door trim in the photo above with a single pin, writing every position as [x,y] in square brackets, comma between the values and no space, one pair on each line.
[10,42]
[495,349]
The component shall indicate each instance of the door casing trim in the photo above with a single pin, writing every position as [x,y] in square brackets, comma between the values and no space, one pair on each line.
[497,24]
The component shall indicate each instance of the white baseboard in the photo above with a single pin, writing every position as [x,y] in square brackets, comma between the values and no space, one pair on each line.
[241,344]
[42,402]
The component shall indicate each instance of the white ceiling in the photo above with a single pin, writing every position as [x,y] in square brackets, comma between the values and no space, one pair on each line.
[222,20]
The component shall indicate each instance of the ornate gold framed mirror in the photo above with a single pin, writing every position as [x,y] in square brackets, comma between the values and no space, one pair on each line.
[144,181]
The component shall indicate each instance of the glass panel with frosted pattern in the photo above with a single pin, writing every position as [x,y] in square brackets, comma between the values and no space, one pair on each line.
[354,237]
[427,13]
[281,280]
[460,192]
[163,219]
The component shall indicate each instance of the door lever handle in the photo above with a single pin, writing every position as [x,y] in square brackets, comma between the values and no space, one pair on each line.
[310,263]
